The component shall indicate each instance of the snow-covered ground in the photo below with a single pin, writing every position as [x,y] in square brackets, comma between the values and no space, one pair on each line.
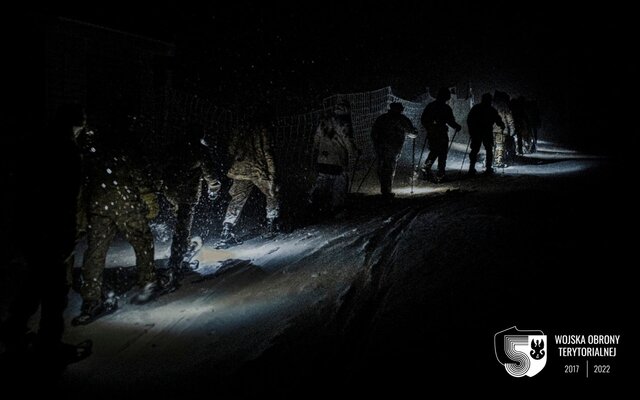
[336,300]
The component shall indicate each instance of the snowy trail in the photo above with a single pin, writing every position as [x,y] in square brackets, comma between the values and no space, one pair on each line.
[232,312]
[357,281]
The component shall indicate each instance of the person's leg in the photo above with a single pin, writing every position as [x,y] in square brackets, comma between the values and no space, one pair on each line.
[239,192]
[519,141]
[54,300]
[339,191]
[273,203]
[380,168]
[431,158]
[476,142]
[442,156]
[487,142]
[181,234]
[27,285]
[135,228]
[101,231]
[387,173]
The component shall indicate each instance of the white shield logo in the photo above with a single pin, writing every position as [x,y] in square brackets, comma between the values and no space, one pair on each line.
[523,353]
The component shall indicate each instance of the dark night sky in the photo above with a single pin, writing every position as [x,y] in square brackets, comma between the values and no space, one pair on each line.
[567,59]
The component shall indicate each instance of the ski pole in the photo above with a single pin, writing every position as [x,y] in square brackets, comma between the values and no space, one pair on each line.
[413,163]
[424,145]
[465,154]
[367,174]
[355,168]
[452,139]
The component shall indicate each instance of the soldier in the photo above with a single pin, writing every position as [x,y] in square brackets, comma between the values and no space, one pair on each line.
[435,118]
[521,125]
[112,200]
[533,115]
[481,119]
[43,191]
[388,133]
[504,142]
[188,163]
[253,165]
[332,146]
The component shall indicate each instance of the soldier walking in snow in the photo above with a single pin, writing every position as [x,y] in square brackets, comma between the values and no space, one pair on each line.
[388,133]
[504,141]
[253,165]
[43,190]
[112,202]
[435,118]
[481,120]
[187,165]
[332,146]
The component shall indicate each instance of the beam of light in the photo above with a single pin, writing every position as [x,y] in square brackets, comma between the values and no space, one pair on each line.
[209,255]
[417,190]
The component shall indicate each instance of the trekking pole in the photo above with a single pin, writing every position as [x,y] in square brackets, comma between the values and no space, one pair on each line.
[413,164]
[451,143]
[424,145]
[355,168]
[465,155]
[367,174]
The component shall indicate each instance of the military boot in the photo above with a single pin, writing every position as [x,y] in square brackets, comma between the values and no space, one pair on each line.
[227,237]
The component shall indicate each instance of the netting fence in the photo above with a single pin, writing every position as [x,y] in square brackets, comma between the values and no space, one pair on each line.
[293,137]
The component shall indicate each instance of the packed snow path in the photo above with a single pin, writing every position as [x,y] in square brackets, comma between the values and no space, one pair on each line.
[440,259]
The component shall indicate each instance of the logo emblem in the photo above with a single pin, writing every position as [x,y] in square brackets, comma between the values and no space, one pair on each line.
[521,352]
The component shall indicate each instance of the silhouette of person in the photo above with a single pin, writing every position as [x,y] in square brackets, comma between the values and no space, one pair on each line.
[188,164]
[44,192]
[521,125]
[480,121]
[435,118]
[388,133]
[533,115]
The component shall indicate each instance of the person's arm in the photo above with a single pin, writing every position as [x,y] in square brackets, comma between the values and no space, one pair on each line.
[407,126]
[268,154]
[498,120]
[451,121]
[508,122]
[209,174]
[426,118]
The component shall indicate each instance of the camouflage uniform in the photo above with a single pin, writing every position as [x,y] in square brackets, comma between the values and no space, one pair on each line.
[112,202]
[388,133]
[182,185]
[253,165]
[521,125]
[333,144]
[503,137]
